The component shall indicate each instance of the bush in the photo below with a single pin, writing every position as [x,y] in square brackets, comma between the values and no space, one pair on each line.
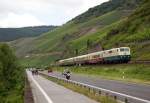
[11,74]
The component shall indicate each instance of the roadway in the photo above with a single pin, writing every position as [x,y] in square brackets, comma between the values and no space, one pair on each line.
[131,89]
[45,91]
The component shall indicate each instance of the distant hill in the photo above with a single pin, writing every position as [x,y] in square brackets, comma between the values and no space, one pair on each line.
[124,25]
[9,34]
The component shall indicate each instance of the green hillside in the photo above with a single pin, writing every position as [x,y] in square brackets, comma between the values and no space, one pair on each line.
[9,34]
[60,40]
[116,27]
[133,32]
[107,7]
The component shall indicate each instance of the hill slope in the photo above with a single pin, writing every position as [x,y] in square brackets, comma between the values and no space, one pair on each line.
[9,34]
[116,27]
[107,7]
[133,32]
[61,38]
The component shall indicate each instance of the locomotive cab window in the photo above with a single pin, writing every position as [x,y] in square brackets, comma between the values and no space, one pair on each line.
[124,49]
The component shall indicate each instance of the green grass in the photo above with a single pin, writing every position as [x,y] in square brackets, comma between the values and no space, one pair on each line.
[13,96]
[132,73]
[95,37]
[84,91]
[38,61]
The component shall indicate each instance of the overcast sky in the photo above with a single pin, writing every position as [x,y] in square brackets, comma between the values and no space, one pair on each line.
[21,13]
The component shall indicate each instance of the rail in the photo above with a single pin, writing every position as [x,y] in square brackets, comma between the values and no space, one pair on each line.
[140,62]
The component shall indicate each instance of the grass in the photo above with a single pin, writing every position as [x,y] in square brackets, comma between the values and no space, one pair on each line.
[38,61]
[14,97]
[94,38]
[129,73]
[84,91]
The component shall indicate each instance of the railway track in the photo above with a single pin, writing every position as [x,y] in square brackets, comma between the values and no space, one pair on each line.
[139,62]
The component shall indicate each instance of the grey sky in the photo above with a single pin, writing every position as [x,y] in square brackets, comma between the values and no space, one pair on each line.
[20,13]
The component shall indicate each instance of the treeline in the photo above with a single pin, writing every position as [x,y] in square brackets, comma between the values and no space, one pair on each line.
[11,77]
[9,34]
[107,7]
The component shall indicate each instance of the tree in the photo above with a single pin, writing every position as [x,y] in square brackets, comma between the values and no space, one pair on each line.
[89,43]
[10,73]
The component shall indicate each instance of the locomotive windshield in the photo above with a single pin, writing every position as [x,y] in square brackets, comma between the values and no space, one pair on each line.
[124,49]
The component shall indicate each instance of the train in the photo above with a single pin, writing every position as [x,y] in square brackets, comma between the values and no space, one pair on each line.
[114,55]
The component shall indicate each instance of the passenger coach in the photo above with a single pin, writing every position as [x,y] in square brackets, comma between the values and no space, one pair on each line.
[115,55]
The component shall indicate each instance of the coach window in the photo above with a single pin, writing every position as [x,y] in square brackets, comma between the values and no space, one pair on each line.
[110,51]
